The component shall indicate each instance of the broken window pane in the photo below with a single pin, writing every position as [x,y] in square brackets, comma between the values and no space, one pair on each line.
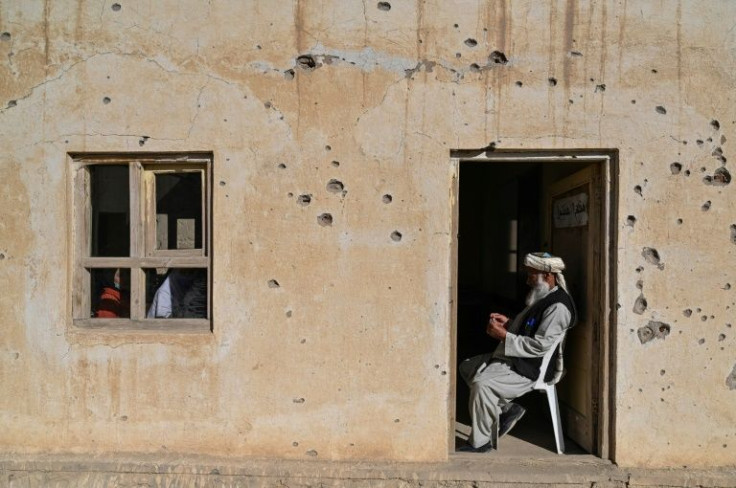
[110,288]
[110,199]
[179,210]
[176,293]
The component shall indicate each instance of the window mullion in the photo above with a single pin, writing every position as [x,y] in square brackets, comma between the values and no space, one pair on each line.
[137,235]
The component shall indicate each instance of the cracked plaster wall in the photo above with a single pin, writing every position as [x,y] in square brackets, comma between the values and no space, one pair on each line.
[348,358]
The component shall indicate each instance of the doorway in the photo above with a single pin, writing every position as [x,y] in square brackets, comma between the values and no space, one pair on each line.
[509,204]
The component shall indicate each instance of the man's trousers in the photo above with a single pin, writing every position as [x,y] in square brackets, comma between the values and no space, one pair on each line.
[492,388]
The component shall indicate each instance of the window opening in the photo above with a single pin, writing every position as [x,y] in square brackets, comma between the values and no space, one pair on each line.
[141,241]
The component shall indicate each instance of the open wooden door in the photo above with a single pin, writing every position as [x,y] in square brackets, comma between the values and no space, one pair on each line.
[574,233]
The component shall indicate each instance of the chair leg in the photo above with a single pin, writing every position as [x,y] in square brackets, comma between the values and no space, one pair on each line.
[554,410]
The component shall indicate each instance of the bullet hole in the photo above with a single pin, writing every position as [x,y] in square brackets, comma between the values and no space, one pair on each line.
[687,172]
[312,453]
[723,139]
[715,124]
[637,190]
[289,313]
[396,421]
[268,105]
[653,330]
[282,166]
[12,103]
[679,221]
[5,36]
[662,372]
[675,168]
[721,177]
[600,88]
[698,310]
[706,206]
[470,42]
[116,7]
[703,318]
[143,140]
[640,305]
[721,337]
[385,6]
[733,233]
[652,257]
[727,286]
[654,71]
[325,220]
[335,164]
[639,269]
[387,198]
[519,84]
[295,444]
[458,55]
[335,186]
[474,68]
[497,57]
[289,74]
[645,334]
[2,256]
[701,341]
[552,81]
[640,284]
[306,62]
[687,312]
[630,220]
[222,183]
[633,102]
[298,400]
[396,236]
[106,100]
[303,341]
[304,200]
[328,148]
[576,53]
[660,110]
[699,142]
[273,284]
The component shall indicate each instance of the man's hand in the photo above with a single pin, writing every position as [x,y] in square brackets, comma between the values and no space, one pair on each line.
[497,326]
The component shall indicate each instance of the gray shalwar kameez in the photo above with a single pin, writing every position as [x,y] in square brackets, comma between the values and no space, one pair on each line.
[493,384]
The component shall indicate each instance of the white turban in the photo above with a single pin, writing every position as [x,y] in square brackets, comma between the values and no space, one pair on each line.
[547,263]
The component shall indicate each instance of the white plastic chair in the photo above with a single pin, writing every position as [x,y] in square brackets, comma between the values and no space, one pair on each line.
[551,391]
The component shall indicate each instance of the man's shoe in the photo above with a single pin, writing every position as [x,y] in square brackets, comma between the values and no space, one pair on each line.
[509,418]
[469,448]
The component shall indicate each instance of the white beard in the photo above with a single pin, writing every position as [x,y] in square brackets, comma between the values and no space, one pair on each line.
[541,288]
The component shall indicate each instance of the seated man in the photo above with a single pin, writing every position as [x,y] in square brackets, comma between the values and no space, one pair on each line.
[495,379]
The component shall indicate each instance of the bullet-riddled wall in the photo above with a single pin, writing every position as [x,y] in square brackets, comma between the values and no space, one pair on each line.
[349,357]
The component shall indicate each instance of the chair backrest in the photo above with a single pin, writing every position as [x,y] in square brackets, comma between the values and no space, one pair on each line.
[541,384]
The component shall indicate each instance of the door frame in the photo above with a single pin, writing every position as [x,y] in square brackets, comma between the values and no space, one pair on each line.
[607,159]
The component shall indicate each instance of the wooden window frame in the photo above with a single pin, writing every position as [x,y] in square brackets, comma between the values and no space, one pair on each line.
[143,168]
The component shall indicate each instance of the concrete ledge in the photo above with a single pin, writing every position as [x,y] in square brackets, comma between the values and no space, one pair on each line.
[460,471]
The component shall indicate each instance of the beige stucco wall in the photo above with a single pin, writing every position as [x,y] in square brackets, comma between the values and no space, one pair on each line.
[367,342]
